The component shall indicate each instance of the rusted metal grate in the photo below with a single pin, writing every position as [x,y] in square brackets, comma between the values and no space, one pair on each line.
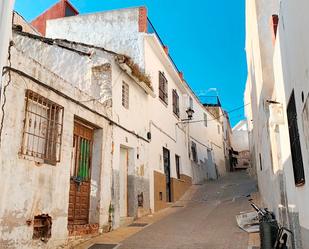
[43,125]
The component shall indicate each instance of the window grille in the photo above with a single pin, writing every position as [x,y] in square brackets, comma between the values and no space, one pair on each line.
[163,90]
[177,159]
[42,128]
[125,95]
[297,160]
[175,103]
[194,152]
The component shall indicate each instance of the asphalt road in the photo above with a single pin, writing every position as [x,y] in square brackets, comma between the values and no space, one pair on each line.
[204,219]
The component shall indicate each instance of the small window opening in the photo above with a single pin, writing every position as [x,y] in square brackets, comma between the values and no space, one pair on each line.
[42,225]
[274,23]
[125,95]
[140,199]
[160,196]
[261,166]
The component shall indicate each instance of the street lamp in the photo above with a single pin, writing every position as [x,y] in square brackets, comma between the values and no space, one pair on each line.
[190,112]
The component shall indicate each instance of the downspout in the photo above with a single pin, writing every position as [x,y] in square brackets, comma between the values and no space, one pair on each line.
[6,11]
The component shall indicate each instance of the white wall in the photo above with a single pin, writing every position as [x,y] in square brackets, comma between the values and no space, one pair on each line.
[240,141]
[30,188]
[274,71]
[114,30]
[291,73]
[118,30]
[6,8]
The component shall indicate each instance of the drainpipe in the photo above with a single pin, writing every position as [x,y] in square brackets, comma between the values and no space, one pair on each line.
[6,11]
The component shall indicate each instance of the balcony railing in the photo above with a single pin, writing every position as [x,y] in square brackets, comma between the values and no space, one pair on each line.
[151,30]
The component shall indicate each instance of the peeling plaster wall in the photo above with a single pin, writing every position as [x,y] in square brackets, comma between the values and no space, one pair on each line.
[29,188]
[101,77]
[90,77]
[114,30]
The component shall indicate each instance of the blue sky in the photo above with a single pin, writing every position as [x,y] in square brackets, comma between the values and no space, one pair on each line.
[206,39]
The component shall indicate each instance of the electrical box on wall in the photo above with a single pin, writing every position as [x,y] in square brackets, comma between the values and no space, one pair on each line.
[276,114]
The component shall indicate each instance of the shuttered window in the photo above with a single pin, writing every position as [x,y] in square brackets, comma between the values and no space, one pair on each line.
[298,167]
[163,88]
[175,103]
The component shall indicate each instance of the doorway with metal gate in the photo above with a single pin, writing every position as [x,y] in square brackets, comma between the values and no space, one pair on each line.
[167,171]
[80,181]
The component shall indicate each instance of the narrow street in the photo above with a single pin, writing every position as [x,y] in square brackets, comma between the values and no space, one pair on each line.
[203,219]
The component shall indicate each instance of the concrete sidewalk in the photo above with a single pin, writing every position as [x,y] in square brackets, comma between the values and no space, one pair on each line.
[203,219]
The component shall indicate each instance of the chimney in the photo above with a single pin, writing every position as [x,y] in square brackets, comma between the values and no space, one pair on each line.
[61,9]
[181,75]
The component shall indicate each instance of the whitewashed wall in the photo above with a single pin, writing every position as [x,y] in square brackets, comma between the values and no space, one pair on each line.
[240,139]
[285,64]
[118,31]
[291,73]
[30,188]
[6,8]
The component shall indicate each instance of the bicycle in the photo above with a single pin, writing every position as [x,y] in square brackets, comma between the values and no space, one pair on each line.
[271,235]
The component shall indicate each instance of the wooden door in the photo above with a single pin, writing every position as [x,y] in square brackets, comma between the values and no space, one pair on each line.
[167,171]
[80,182]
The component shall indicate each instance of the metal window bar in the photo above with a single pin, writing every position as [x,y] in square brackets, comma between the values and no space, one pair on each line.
[125,95]
[42,128]
[297,160]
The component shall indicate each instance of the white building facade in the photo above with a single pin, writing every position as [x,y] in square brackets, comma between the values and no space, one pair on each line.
[101,134]
[277,89]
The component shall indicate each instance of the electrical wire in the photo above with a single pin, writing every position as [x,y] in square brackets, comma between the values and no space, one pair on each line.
[208,120]
[4,90]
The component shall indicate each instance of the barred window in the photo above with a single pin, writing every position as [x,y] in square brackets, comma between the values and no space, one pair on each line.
[163,90]
[42,128]
[175,103]
[297,159]
[125,95]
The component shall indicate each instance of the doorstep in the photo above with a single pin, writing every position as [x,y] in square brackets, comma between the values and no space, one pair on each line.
[254,241]
[81,230]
